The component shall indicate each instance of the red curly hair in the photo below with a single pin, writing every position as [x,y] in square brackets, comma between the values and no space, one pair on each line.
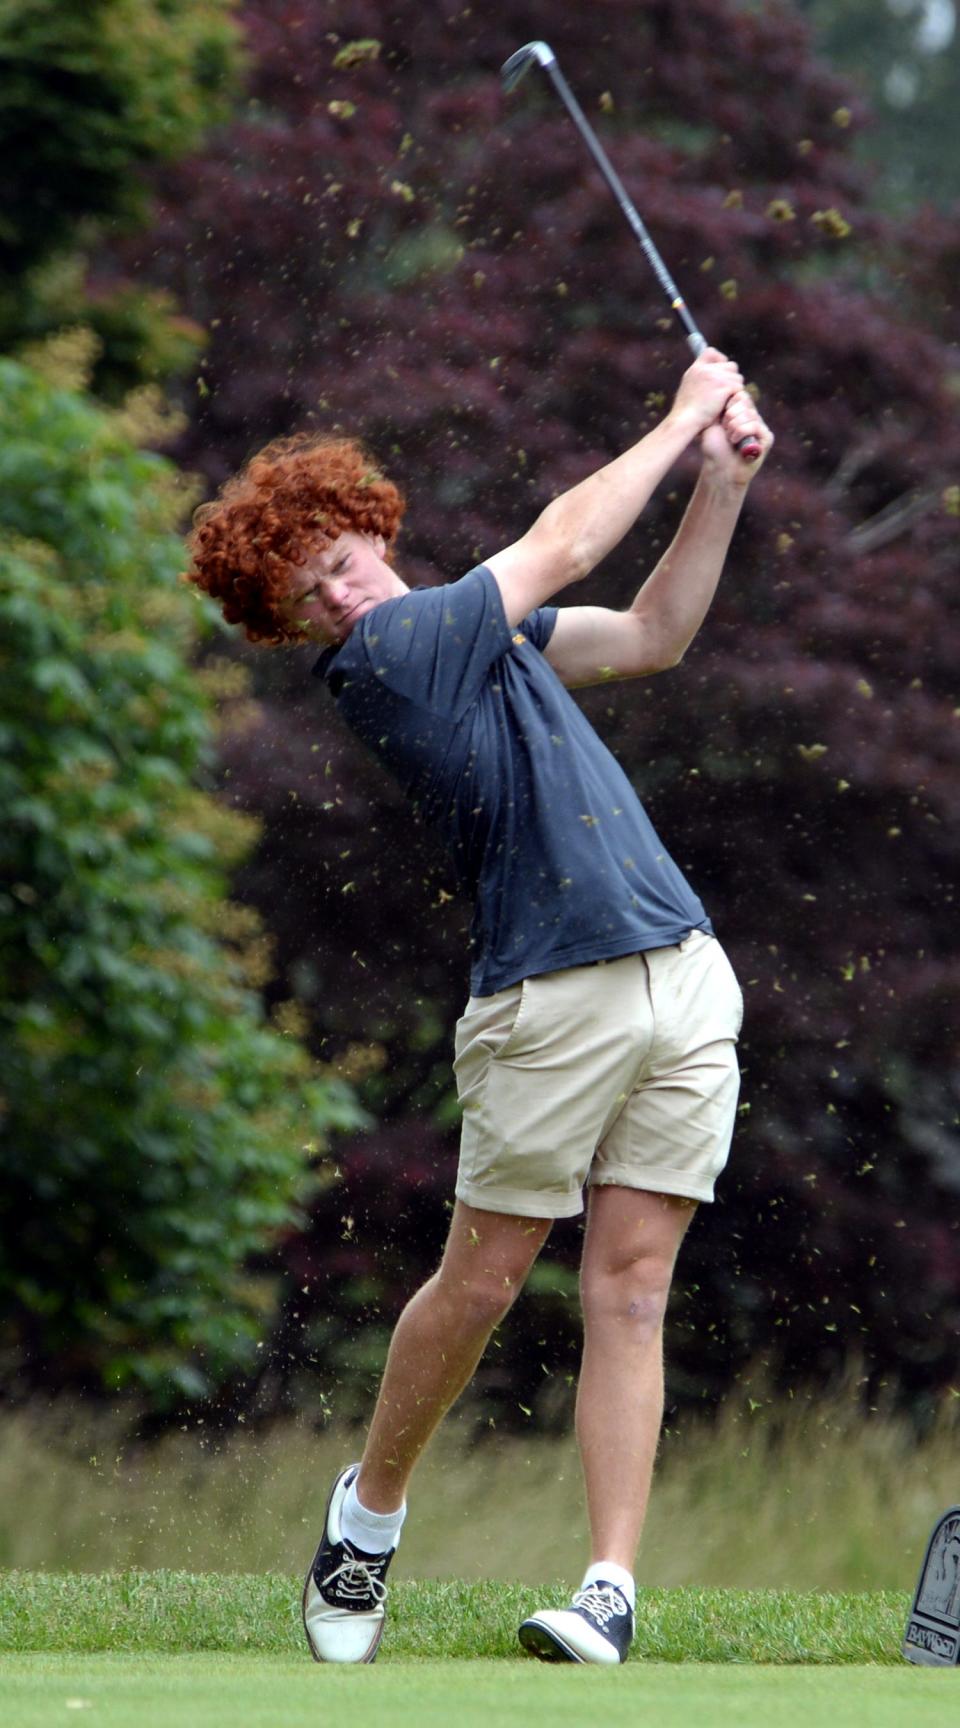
[293,498]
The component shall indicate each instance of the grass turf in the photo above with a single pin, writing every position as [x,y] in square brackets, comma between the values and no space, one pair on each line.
[176,1612]
[260,1691]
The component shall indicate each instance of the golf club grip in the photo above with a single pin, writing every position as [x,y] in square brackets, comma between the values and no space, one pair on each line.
[748,447]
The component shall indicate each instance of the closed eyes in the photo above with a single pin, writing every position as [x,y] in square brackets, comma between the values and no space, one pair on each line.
[312,593]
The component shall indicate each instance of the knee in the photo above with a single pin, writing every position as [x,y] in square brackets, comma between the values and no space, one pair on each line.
[634,1295]
[480,1302]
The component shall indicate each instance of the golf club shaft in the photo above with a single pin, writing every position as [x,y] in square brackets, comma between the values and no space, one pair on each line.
[747,447]
[695,337]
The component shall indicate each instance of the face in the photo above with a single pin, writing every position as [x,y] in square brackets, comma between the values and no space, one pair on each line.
[330,593]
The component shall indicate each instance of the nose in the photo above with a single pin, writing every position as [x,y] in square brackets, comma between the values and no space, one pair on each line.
[337,593]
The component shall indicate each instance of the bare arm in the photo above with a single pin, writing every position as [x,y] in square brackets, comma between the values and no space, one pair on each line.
[579,528]
[591,643]
[675,598]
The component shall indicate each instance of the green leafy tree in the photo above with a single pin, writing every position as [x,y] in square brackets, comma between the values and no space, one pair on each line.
[157,1129]
[90,96]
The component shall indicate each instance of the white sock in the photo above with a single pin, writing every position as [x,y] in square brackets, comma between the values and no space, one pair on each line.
[372,1532]
[608,1572]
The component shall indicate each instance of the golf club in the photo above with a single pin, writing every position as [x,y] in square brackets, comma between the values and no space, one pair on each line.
[541,54]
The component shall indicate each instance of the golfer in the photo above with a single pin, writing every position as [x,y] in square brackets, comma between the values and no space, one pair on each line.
[598,1047]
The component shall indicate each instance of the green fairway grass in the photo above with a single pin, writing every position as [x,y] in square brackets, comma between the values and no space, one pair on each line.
[201,1650]
[176,1612]
[261,1692]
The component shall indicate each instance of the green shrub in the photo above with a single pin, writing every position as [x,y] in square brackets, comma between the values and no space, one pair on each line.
[156,1129]
[90,94]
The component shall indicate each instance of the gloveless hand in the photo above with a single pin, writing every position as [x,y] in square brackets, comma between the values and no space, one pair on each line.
[705,389]
[740,419]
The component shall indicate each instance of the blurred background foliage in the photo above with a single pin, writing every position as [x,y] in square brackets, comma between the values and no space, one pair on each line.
[905,57]
[158,1126]
[157,1129]
[90,97]
[372,239]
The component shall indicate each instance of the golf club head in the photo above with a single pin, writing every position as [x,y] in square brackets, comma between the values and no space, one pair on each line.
[534,54]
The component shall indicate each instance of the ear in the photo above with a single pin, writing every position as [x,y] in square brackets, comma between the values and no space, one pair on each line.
[378,543]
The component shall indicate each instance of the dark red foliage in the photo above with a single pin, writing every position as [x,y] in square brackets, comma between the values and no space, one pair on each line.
[442,273]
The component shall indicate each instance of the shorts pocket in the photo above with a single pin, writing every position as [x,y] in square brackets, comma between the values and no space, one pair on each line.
[515,1033]
[488,1025]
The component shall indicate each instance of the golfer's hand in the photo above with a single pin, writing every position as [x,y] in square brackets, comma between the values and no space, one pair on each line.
[705,389]
[718,443]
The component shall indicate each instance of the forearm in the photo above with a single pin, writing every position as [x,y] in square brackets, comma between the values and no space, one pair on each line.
[594,516]
[676,597]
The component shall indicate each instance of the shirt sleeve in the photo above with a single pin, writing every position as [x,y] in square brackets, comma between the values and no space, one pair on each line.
[435,646]
[538,627]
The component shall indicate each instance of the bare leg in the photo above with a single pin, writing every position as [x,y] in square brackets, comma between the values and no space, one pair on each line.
[628,1258]
[439,1340]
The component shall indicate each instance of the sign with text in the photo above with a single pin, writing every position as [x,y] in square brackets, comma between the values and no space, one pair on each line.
[933,1629]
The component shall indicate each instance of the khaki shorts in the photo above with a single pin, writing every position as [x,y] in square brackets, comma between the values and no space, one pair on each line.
[623,1072]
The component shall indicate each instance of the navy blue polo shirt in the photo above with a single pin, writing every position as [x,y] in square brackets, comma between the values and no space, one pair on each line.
[545,829]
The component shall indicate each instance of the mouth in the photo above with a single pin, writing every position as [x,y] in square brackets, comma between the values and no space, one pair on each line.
[345,615]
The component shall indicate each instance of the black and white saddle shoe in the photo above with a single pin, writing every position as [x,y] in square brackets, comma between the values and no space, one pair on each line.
[344,1593]
[597,1627]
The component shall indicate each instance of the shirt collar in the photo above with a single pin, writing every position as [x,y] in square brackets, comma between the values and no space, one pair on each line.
[321,667]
